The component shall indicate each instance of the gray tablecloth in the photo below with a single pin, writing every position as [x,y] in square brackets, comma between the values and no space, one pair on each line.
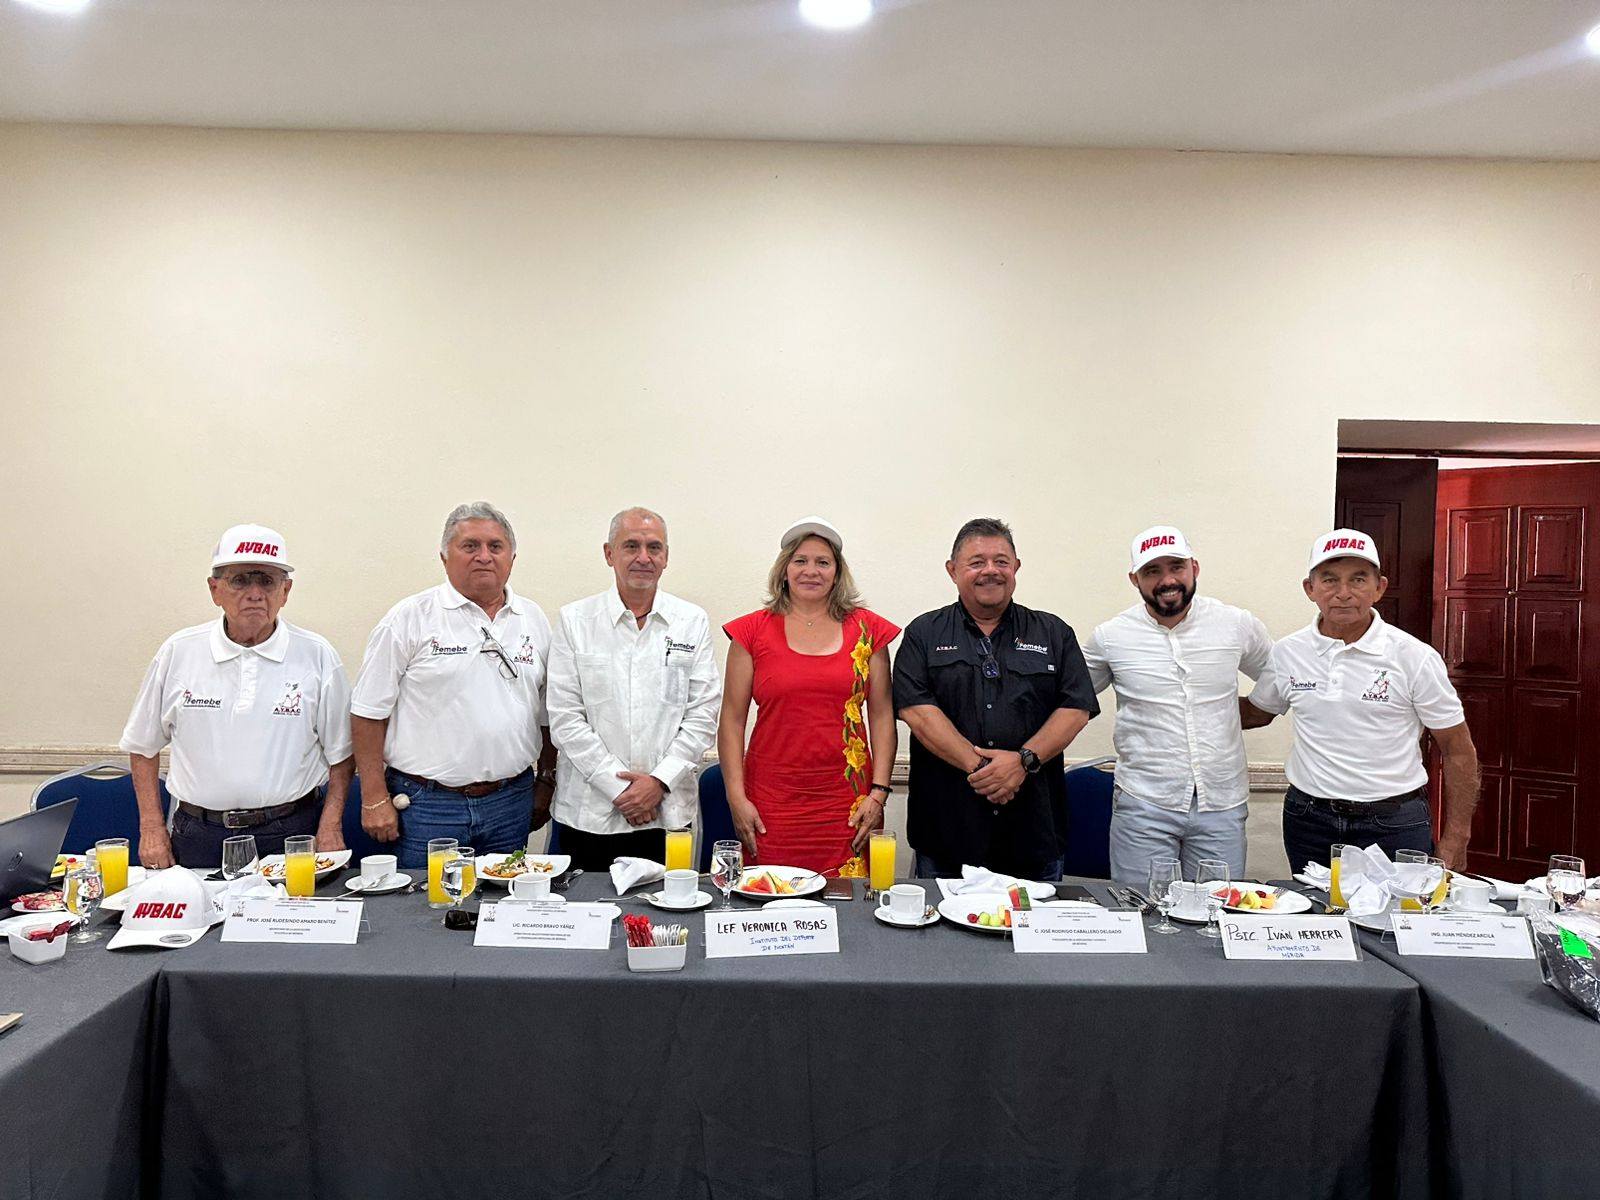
[915,1063]
[74,1075]
[1516,1077]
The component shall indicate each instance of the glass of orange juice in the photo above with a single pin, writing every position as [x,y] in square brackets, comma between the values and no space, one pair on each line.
[680,849]
[881,853]
[440,850]
[112,855]
[300,865]
[1336,900]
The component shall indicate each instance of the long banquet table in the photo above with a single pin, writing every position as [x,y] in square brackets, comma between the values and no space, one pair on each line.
[1515,1077]
[926,1062]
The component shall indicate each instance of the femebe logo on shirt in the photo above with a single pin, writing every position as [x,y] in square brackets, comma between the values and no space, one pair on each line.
[438,649]
[190,700]
[1302,685]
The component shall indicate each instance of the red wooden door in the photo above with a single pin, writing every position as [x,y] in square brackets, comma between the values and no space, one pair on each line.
[1516,615]
[1392,500]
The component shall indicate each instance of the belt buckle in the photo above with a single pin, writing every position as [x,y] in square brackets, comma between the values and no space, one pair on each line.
[236,818]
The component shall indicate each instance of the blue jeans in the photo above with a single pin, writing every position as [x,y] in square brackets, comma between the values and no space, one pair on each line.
[1310,829]
[493,824]
[197,843]
[929,867]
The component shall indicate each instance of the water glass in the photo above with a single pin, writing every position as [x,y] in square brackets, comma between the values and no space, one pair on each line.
[1566,880]
[239,856]
[1164,874]
[1213,876]
[456,878]
[727,865]
[81,892]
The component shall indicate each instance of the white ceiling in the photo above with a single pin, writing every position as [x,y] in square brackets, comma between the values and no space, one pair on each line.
[1505,78]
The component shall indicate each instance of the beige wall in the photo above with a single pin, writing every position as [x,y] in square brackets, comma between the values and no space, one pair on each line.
[344,335]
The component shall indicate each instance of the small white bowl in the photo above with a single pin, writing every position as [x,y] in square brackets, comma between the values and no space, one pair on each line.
[657,958]
[38,952]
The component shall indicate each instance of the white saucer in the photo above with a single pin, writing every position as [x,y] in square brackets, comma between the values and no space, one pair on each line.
[393,882]
[659,900]
[919,922]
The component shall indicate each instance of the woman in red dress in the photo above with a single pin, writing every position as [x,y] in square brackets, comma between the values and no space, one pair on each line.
[811,787]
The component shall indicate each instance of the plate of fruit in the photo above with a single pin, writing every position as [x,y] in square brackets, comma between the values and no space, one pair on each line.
[1260,898]
[990,912]
[763,883]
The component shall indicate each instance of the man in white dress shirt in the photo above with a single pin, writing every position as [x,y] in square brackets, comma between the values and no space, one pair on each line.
[633,699]
[257,712]
[449,707]
[1174,660]
[1362,692]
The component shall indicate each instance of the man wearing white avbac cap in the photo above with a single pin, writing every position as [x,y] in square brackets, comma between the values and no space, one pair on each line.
[1362,692]
[257,712]
[1174,660]
[449,707]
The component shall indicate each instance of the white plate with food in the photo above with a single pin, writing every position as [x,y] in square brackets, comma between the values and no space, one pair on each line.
[67,862]
[990,912]
[503,868]
[769,882]
[1260,898]
[328,861]
[39,902]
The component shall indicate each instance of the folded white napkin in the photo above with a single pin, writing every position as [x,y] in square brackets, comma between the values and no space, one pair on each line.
[1502,889]
[1371,883]
[1315,875]
[975,880]
[251,885]
[631,872]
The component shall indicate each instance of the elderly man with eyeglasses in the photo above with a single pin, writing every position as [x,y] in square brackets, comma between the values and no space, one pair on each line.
[257,712]
[449,708]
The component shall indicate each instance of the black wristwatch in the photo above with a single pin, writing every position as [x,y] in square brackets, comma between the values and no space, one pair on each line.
[1030,761]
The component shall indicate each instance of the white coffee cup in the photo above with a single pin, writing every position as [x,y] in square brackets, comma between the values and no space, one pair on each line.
[1532,902]
[1188,901]
[1471,895]
[680,886]
[378,866]
[904,901]
[531,885]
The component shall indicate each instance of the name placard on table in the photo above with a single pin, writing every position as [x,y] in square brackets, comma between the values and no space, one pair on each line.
[545,925]
[292,921]
[1462,935]
[772,932]
[1308,937]
[1077,931]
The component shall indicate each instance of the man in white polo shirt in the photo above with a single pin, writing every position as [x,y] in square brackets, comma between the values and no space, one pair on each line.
[633,698]
[1174,660]
[1362,692]
[449,707]
[257,713]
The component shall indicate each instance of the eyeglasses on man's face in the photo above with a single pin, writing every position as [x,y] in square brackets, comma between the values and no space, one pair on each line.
[240,581]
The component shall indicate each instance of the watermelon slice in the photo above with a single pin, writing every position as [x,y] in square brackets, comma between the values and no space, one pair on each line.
[761,883]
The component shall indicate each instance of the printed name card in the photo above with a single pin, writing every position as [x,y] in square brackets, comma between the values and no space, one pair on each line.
[1076,931]
[292,921]
[772,931]
[1320,939]
[1462,935]
[545,925]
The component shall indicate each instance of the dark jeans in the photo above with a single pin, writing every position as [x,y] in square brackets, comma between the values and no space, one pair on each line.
[1310,829]
[929,867]
[597,851]
[492,824]
[198,843]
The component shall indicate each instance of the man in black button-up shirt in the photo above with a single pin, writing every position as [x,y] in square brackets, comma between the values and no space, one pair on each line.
[993,693]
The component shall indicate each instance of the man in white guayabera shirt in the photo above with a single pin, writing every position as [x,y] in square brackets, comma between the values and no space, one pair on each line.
[257,712]
[1362,692]
[1174,661]
[633,699]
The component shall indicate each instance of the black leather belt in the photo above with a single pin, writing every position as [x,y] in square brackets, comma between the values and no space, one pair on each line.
[471,790]
[247,818]
[1359,808]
